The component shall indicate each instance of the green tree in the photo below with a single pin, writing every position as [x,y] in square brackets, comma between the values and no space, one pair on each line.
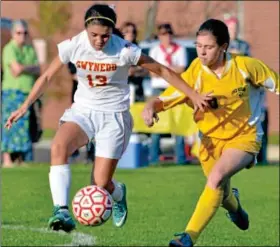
[53,17]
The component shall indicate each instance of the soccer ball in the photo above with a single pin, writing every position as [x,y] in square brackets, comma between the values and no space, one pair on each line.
[92,205]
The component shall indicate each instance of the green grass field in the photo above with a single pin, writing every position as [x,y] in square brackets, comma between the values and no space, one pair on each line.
[161,200]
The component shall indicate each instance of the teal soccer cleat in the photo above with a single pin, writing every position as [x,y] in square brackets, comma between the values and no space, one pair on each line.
[240,218]
[184,240]
[120,209]
[61,220]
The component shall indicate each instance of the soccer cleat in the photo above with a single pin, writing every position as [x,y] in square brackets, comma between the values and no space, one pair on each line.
[240,218]
[120,209]
[61,220]
[184,240]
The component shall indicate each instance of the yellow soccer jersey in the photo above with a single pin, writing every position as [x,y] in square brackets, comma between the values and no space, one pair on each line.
[239,91]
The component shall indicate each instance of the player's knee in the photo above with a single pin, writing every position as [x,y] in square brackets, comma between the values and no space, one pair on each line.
[58,151]
[215,180]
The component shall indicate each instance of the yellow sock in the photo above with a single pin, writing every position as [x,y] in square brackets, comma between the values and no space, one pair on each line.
[230,203]
[207,206]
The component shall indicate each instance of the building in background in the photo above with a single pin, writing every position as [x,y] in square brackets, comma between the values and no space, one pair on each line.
[259,22]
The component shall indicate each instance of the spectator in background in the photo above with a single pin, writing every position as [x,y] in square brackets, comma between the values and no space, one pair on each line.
[129,32]
[242,47]
[136,73]
[236,45]
[20,70]
[90,146]
[173,56]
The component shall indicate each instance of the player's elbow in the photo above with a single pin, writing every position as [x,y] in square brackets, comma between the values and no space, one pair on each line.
[46,77]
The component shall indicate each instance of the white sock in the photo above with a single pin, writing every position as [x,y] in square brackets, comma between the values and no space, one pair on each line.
[118,192]
[60,181]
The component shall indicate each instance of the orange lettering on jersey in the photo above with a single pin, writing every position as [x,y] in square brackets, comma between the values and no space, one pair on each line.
[78,64]
[114,67]
[84,64]
[96,67]
[103,66]
[90,65]
[108,67]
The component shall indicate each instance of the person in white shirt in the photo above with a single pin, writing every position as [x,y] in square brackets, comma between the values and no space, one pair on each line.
[172,55]
[100,109]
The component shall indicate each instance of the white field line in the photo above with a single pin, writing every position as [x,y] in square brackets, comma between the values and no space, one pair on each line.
[78,238]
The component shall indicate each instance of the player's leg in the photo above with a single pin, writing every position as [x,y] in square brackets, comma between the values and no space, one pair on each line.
[250,144]
[111,140]
[64,144]
[230,162]
[231,203]
[209,152]
[236,213]
[104,169]
[230,199]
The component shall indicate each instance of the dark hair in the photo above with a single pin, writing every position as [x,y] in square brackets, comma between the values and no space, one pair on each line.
[167,27]
[130,24]
[217,28]
[101,14]
[135,31]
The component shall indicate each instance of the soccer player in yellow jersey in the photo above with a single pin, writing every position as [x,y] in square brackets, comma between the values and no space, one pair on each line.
[230,128]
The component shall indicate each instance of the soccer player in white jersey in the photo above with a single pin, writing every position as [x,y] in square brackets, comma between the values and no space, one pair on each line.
[100,109]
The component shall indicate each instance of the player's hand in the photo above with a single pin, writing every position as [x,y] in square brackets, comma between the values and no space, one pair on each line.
[200,101]
[16,115]
[149,115]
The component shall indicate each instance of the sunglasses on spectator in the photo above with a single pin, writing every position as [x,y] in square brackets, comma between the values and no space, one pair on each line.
[22,33]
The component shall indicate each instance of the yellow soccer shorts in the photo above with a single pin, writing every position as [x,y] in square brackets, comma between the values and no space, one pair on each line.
[211,149]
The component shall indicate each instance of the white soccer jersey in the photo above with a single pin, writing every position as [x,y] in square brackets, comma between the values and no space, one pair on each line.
[102,75]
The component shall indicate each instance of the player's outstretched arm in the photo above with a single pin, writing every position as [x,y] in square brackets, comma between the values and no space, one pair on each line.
[199,101]
[166,100]
[38,89]
[149,113]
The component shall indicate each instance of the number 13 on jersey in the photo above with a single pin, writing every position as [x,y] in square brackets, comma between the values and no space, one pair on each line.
[99,80]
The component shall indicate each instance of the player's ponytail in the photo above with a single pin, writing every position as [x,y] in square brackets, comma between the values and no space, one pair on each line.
[100,14]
